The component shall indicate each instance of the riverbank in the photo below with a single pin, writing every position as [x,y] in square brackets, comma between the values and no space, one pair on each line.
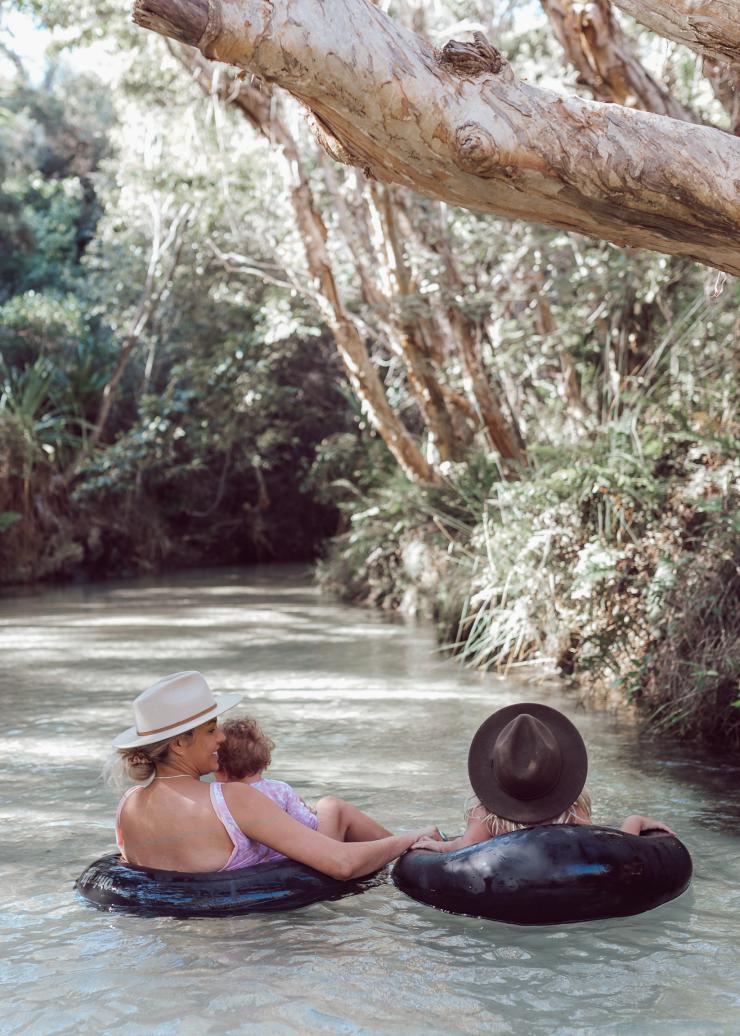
[616,565]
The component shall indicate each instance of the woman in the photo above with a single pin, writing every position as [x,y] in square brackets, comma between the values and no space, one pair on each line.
[177,822]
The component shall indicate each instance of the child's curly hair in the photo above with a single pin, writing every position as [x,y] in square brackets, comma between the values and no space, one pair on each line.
[246,749]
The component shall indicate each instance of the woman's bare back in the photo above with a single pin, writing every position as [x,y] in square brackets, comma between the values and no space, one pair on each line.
[174,828]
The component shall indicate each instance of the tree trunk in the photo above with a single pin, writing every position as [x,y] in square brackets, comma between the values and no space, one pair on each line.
[458,126]
[362,375]
[709,27]
[725,83]
[465,334]
[422,376]
[606,60]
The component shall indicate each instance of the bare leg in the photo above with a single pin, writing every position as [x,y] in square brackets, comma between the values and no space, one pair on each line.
[344,822]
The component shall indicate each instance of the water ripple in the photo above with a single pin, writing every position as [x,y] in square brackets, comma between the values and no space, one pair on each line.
[365,708]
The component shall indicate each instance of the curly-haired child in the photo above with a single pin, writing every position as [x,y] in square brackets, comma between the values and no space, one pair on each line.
[244,756]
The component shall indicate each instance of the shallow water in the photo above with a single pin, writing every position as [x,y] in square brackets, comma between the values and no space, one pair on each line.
[364,707]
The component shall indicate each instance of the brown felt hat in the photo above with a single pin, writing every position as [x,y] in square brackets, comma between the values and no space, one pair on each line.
[527,763]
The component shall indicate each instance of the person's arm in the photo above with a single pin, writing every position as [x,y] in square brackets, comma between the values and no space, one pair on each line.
[636,824]
[475,832]
[296,807]
[260,818]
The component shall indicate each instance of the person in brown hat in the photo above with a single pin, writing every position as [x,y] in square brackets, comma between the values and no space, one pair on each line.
[527,766]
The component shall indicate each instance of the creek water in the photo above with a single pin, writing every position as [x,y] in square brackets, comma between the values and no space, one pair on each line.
[364,707]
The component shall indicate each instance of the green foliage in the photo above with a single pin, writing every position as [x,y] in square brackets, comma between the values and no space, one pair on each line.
[615,559]
[28,397]
[233,434]
[9,518]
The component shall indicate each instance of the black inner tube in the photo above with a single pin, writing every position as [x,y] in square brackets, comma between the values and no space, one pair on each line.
[111,884]
[550,874]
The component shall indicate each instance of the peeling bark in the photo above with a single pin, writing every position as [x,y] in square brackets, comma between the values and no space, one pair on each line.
[449,126]
[606,60]
[709,27]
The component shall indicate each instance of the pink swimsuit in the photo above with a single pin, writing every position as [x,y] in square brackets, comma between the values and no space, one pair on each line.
[246,852]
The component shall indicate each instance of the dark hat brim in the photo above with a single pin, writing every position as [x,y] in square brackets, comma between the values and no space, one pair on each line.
[565,791]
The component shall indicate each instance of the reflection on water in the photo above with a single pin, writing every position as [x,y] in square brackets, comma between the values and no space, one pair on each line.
[361,706]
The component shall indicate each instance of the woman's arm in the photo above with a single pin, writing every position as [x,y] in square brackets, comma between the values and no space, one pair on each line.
[636,824]
[260,818]
[475,832]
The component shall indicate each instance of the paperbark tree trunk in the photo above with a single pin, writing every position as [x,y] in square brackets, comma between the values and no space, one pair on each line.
[408,332]
[458,126]
[725,83]
[362,375]
[709,27]
[502,434]
[606,60]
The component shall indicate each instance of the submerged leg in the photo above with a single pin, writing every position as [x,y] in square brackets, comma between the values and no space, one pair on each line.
[346,823]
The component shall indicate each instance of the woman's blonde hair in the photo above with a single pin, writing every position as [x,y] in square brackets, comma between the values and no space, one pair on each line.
[497,825]
[137,764]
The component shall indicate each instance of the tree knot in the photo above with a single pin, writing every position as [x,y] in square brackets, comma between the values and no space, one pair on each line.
[470,60]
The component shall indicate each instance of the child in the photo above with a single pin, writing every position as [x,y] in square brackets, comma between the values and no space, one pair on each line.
[527,765]
[245,754]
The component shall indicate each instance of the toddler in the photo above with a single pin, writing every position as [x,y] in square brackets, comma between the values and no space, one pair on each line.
[245,755]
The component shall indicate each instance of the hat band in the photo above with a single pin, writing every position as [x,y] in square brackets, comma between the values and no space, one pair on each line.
[177,723]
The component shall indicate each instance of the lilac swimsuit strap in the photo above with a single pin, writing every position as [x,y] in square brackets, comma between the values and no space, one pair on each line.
[246,852]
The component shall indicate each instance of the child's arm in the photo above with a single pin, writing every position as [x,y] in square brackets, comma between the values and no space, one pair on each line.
[635,824]
[475,832]
[295,807]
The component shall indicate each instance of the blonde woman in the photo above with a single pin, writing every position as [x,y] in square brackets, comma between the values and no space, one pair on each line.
[527,766]
[172,820]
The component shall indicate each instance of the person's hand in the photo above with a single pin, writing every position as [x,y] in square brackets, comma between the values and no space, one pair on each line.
[435,845]
[432,833]
[649,824]
[637,824]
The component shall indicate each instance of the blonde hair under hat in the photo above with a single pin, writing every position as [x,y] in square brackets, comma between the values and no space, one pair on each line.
[171,706]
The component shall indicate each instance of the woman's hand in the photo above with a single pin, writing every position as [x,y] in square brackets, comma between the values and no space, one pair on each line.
[435,845]
[636,824]
[432,832]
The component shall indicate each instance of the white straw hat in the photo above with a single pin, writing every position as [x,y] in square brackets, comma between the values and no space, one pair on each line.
[171,706]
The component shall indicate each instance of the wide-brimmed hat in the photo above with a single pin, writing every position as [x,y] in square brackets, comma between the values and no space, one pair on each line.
[171,706]
[527,763]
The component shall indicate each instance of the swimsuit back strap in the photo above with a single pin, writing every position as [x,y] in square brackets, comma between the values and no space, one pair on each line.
[124,799]
[223,813]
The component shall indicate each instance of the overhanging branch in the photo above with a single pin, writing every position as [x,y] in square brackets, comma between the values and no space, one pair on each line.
[458,126]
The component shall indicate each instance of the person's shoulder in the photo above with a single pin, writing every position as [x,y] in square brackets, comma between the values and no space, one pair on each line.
[238,791]
[276,785]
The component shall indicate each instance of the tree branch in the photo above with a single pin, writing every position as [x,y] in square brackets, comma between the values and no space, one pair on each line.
[458,126]
[709,27]
[606,60]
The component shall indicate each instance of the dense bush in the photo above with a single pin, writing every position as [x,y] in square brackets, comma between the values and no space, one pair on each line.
[615,562]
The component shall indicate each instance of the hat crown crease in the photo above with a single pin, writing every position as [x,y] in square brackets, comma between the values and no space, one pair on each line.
[527,760]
